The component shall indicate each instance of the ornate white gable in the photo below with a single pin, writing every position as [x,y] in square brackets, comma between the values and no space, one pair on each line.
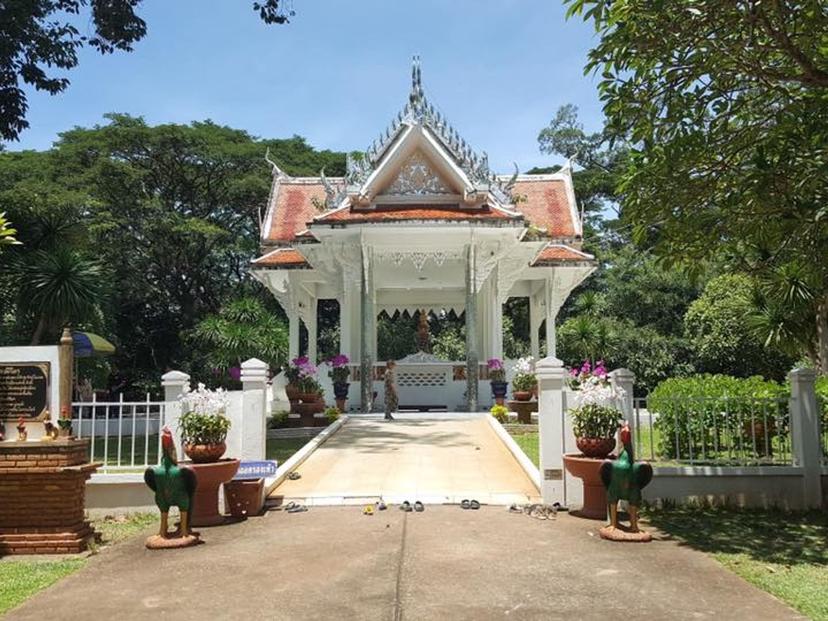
[417,177]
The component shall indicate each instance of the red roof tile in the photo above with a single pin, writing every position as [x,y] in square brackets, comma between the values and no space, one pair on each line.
[283,257]
[384,213]
[293,207]
[558,253]
[546,206]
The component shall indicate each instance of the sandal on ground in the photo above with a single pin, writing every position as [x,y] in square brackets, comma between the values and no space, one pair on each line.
[406,506]
[465,504]
[297,509]
[294,475]
[513,508]
[474,505]
[289,505]
[419,507]
[368,510]
[381,506]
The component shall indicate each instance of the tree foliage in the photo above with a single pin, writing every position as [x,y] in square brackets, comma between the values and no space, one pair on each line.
[726,109]
[42,35]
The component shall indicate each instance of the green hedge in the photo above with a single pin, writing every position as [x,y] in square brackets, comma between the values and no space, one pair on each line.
[719,417]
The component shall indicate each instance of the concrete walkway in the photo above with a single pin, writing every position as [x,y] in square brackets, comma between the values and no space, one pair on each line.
[436,459]
[445,563]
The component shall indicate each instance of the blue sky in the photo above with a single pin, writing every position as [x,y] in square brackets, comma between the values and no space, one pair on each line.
[338,73]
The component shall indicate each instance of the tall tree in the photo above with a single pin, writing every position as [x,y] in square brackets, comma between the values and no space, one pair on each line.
[40,35]
[726,108]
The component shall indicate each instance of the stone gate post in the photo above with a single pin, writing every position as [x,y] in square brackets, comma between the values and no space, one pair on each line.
[805,435]
[254,409]
[175,384]
[624,379]
[551,382]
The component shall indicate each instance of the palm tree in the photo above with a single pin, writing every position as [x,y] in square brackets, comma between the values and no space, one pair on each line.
[56,287]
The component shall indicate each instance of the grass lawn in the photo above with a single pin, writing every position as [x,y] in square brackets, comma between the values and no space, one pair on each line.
[281,449]
[21,577]
[528,442]
[781,553]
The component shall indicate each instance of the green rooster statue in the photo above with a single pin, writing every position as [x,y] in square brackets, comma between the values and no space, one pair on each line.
[624,479]
[174,486]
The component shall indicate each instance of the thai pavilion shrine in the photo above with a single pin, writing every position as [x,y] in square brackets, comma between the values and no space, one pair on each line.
[420,222]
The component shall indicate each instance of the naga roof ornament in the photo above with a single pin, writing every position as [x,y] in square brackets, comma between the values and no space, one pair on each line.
[419,111]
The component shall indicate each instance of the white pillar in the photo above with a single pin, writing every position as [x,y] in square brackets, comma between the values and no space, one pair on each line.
[624,379]
[471,331]
[534,326]
[293,335]
[496,320]
[805,437]
[368,321]
[253,420]
[551,315]
[311,325]
[551,381]
[175,384]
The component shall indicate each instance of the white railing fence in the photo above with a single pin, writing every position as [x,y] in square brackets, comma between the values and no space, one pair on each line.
[125,435]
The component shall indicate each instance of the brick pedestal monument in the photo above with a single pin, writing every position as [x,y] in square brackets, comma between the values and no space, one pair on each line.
[42,494]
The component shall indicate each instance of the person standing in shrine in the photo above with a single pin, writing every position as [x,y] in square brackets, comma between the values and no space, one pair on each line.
[391,397]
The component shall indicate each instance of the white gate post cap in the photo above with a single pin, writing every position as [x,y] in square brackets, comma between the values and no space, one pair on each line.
[253,369]
[623,375]
[549,368]
[175,378]
[802,375]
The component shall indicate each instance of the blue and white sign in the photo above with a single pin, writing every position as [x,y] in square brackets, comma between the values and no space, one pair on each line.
[256,469]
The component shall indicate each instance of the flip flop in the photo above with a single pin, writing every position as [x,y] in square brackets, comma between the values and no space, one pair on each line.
[294,475]
[474,505]
[381,506]
[368,510]
[465,504]
[418,506]
[297,509]
[513,508]
[289,506]
[406,506]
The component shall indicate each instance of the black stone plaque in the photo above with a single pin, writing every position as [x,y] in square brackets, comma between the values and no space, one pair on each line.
[24,390]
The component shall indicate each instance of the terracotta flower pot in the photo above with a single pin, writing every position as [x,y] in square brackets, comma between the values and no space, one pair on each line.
[205,510]
[595,447]
[340,404]
[205,453]
[522,395]
[308,397]
[292,392]
[595,495]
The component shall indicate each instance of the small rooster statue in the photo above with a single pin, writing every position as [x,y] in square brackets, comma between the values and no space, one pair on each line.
[624,479]
[173,486]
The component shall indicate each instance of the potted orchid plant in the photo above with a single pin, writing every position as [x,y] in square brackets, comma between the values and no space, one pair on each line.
[302,383]
[524,381]
[204,425]
[339,374]
[497,379]
[595,416]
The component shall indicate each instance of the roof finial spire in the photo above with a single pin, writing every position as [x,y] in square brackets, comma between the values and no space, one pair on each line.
[416,82]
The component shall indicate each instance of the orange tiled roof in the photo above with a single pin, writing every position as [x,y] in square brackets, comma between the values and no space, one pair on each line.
[558,253]
[282,257]
[397,213]
[546,205]
[292,208]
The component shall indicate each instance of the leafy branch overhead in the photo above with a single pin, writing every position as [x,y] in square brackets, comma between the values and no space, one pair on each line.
[40,36]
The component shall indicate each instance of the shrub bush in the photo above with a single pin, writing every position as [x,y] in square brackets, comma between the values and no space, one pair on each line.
[332,414]
[699,413]
[278,420]
[500,413]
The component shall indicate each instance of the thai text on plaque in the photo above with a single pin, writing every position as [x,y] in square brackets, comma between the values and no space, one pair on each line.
[24,390]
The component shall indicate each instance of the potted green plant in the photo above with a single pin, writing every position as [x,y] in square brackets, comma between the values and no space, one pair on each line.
[524,381]
[497,379]
[203,425]
[65,423]
[339,374]
[309,389]
[292,371]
